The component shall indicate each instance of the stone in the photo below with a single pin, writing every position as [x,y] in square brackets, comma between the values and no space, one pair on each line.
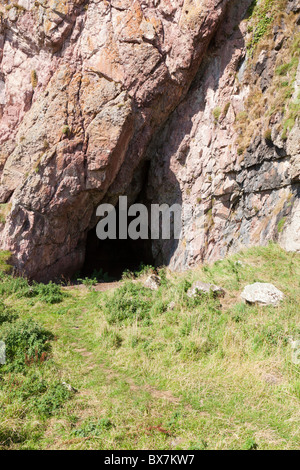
[87,85]
[261,62]
[172,305]
[262,294]
[199,288]
[69,387]
[272,379]
[152,282]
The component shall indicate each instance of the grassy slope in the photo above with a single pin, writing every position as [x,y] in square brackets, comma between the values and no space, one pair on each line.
[200,376]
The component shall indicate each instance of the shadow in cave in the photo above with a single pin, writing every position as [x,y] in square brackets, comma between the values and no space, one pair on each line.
[115,256]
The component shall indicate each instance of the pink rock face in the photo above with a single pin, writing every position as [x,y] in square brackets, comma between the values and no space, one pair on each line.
[86,89]
[86,83]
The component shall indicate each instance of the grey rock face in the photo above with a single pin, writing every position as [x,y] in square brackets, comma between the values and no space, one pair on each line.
[293,5]
[262,293]
[290,238]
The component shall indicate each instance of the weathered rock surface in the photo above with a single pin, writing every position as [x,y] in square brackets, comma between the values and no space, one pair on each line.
[152,282]
[86,85]
[199,288]
[90,90]
[237,196]
[262,293]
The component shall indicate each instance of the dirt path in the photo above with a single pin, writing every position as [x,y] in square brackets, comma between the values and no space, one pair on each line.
[100,287]
[111,373]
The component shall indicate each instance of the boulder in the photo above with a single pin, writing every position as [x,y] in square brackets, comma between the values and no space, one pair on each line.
[172,305]
[152,282]
[199,288]
[262,294]
[76,120]
[69,387]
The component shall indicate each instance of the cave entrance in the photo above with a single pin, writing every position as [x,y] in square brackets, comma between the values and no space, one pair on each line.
[115,256]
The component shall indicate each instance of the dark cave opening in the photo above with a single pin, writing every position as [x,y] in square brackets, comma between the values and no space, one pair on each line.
[115,256]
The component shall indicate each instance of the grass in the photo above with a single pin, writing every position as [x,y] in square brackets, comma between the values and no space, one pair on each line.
[4,212]
[261,16]
[201,374]
[34,79]
[217,113]
[280,225]
[4,261]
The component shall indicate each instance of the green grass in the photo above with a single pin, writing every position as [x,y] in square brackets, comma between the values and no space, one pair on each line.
[217,113]
[285,68]
[204,374]
[280,225]
[261,16]
[4,261]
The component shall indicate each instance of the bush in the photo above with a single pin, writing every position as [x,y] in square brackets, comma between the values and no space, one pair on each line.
[25,341]
[100,275]
[143,270]
[88,282]
[129,302]
[50,293]
[39,396]
[31,387]
[50,402]
[91,428]
[6,314]
[13,285]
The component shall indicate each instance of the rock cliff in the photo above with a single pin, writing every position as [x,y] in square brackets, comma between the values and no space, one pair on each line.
[189,101]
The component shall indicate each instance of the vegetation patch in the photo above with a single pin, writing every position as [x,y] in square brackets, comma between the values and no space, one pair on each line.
[26,341]
[130,303]
[276,104]
[217,113]
[50,293]
[261,16]
[5,267]
[280,225]
[4,212]
[155,367]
